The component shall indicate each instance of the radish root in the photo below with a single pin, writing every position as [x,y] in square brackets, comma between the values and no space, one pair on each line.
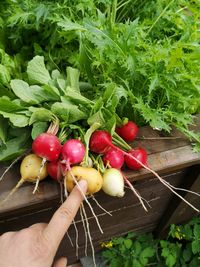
[21,181]
[39,173]
[95,200]
[168,185]
[136,193]
[84,227]
[89,235]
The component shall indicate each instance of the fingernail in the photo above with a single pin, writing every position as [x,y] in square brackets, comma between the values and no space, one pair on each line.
[83,185]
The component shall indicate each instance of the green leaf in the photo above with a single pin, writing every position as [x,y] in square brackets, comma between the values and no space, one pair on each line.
[70,26]
[128,243]
[187,253]
[22,91]
[38,128]
[68,112]
[197,231]
[4,75]
[37,72]
[196,246]
[73,79]
[17,120]
[148,252]
[75,97]
[8,105]
[34,94]
[40,114]
[97,117]
[15,147]
[3,129]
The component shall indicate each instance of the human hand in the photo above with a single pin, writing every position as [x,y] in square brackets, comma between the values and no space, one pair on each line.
[36,245]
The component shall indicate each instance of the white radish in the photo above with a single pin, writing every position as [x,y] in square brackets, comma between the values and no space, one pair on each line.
[113,183]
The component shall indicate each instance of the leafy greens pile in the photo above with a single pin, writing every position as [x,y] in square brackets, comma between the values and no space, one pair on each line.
[87,61]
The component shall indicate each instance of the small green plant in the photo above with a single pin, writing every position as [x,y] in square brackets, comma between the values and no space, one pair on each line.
[181,248]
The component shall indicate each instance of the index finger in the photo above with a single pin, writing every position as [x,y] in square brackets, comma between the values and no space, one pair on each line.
[62,218]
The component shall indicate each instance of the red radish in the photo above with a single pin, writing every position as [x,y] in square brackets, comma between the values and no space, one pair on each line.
[47,146]
[73,152]
[100,141]
[114,157]
[55,170]
[140,154]
[128,131]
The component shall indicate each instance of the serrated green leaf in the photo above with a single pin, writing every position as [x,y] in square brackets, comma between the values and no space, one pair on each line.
[196,246]
[197,231]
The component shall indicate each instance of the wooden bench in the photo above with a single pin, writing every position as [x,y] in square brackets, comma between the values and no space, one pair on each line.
[172,157]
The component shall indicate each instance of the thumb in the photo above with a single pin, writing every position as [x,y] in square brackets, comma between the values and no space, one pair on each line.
[62,262]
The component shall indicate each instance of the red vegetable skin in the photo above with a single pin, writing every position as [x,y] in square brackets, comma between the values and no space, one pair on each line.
[114,157]
[100,141]
[55,170]
[47,146]
[140,154]
[128,131]
[73,151]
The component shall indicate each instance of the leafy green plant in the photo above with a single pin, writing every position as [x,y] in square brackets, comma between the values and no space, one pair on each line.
[147,50]
[180,248]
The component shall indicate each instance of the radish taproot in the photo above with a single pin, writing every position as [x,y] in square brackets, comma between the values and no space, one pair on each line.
[113,183]
[55,170]
[113,158]
[128,131]
[100,141]
[91,175]
[47,146]
[73,152]
[31,171]
[138,153]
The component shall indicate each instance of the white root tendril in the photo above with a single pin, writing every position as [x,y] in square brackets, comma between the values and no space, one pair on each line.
[99,205]
[62,200]
[39,173]
[141,199]
[76,230]
[85,198]
[84,228]
[168,185]
[89,235]
[9,167]
[21,181]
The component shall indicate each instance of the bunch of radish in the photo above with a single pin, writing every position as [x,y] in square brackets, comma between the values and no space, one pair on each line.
[63,163]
